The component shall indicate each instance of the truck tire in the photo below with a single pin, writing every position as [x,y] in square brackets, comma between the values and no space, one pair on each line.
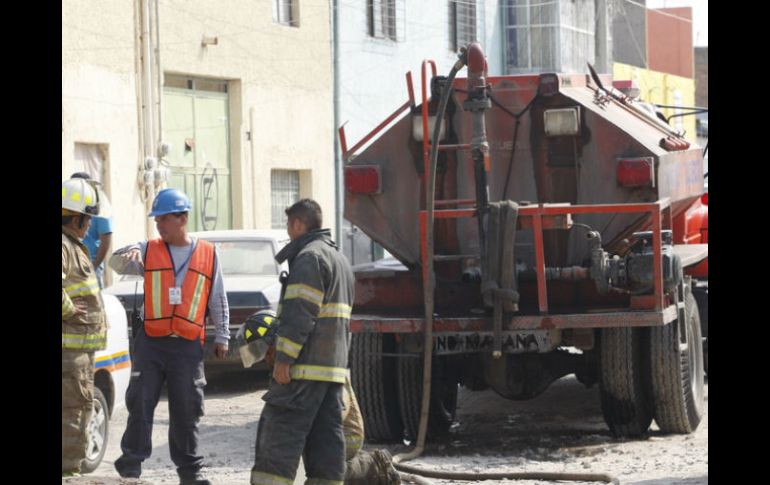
[98,432]
[443,404]
[676,369]
[700,290]
[624,381]
[374,382]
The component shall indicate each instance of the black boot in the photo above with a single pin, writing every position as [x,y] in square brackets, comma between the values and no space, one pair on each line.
[195,479]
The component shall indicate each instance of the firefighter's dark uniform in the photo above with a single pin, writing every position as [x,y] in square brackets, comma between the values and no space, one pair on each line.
[304,417]
[81,335]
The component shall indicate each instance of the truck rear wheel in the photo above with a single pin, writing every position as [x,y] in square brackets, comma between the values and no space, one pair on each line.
[676,366]
[700,290]
[624,394]
[374,382]
[443,403]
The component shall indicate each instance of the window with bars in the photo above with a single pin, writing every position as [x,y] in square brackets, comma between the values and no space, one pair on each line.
[548,35]
[382,18]
[462,23]
[284,191]
[286,12]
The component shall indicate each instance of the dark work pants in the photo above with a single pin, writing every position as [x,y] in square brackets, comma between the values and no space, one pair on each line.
[178,362]
[302,418]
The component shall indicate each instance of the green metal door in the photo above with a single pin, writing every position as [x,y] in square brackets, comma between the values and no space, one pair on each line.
[196,124]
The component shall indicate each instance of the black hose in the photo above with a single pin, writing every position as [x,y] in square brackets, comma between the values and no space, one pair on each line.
[554,476]
[410,478]
[429,284]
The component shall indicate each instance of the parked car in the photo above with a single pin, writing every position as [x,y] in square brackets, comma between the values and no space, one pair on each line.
[112,371]
[250,278]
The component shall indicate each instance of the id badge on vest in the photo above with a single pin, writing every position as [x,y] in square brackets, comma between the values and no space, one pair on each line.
[175,295]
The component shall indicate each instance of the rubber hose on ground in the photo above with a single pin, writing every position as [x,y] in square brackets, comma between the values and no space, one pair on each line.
[554,476]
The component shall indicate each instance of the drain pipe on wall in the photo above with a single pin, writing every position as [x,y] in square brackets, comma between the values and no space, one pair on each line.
[339,200]
[147,112]
[159,83]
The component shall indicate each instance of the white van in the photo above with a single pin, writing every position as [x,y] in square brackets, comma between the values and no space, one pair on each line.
[112,372]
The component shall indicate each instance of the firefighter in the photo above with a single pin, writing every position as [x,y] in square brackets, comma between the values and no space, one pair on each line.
[303,411]
[182,281]
[83,323]
[257,342]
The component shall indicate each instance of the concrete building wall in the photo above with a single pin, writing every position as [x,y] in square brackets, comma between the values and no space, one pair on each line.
[280,83]
[670,47]
[99,102]
[280,95]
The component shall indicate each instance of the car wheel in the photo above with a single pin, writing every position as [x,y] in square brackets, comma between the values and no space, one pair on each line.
[98,431]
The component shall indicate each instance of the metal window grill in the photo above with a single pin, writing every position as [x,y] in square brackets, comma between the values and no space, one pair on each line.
[284,191]
[462,23]
[385,19]
[549,35]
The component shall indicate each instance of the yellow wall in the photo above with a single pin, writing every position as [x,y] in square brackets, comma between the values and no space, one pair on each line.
[662,88]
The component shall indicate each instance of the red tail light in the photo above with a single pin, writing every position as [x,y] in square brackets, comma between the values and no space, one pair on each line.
[636,172]
[363,179]
[705,198]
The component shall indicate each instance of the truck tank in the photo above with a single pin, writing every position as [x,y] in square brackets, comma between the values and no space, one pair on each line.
[576,169]
[585,197]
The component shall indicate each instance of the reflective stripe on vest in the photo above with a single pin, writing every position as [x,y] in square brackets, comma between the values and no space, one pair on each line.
[85,288]
[305,292]
[187,318]
[335,310]
[288,347]
[319,373]
[77,341]
[353,443]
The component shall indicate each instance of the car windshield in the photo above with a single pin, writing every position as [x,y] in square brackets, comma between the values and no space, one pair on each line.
[246,257]
[241,257]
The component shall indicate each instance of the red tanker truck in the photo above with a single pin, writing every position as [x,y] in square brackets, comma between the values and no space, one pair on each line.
[548,226]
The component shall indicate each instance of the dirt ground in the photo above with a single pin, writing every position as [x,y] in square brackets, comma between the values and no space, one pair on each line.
[562,430]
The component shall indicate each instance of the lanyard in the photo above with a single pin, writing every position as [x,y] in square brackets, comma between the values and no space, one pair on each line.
[181,266]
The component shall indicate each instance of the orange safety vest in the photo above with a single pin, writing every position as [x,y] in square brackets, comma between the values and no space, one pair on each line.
[187,319]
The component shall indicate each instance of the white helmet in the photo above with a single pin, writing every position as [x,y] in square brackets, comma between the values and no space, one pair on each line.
[84,197]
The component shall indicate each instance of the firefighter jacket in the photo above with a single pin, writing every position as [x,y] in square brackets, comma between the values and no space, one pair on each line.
[80,331]
[186,319]
[315,307]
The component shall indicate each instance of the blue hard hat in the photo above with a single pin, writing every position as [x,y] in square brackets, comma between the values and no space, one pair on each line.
[169,201]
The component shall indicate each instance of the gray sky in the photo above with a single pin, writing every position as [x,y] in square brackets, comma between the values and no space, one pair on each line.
[700,13]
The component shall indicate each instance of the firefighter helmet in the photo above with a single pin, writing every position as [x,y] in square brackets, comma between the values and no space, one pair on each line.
[105,209]
[256,335]
[79,196]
